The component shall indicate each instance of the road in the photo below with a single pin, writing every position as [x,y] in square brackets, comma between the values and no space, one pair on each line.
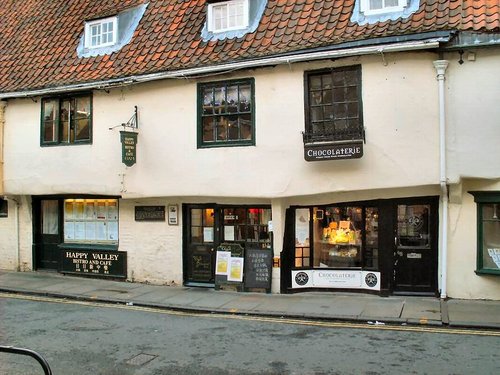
[88,338]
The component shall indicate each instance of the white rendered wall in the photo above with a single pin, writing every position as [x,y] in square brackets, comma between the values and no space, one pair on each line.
[401,148]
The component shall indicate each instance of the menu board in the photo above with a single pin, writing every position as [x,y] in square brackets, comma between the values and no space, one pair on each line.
[258,268]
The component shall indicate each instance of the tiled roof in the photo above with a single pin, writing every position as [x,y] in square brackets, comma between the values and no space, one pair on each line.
[38,39]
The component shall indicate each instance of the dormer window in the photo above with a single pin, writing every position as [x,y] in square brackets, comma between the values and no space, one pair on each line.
[228,15]
[371,7]
[101,33]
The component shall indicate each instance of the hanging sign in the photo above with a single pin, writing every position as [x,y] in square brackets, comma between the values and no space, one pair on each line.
[333,151]
[129,147]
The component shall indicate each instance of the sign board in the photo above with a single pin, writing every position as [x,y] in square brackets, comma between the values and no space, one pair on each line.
[258,268]
[336,279]
[105,263]
[149,213]
[229,265]
[129,148]
[333,151]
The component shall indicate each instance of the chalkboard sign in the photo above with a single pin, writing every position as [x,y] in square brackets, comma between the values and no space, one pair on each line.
[105,263]
[258,268]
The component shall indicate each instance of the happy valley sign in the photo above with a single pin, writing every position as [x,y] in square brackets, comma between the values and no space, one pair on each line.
[107,263]
[333,151]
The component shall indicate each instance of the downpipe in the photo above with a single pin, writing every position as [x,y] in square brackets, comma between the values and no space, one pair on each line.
[440,66]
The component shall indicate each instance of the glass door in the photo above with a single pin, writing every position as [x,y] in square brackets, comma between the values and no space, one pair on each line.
[415,255]
[201,239]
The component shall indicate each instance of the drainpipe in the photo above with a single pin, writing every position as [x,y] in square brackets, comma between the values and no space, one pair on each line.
[441,66]
[3,104]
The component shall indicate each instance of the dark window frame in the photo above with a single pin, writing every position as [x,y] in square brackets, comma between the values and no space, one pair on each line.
[57,137]
[482,199]
[4,208]
[311,135]
[238,113]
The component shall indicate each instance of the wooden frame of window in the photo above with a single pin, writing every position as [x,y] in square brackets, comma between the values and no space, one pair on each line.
[226,113]
[333,105]
[374,7]
[101,33]
[227,16]
[488,232]
[66,120]
[4,208]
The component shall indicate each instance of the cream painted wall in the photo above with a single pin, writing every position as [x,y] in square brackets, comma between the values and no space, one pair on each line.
[462,242]
[473,112]
[401,148]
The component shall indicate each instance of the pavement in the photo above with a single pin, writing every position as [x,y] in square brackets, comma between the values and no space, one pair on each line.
[352,307]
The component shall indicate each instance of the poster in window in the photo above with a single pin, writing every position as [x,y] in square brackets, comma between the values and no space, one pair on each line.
[79,230]
[112,211]
[302,226]
[101,211]
[208,234]
[235,269]
[100,231]
[90,211]
[229,233]
[112,230]
[68,210]
[69,230]
[90,231]
[79,210]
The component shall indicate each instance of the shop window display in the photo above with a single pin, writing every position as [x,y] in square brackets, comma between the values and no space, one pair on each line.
[342,237]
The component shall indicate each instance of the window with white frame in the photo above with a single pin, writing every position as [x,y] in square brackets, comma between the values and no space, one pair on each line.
[370,7]
[228,15]
[101,33]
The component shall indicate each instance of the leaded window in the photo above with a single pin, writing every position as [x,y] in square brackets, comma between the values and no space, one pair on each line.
[226,113]
[333,105]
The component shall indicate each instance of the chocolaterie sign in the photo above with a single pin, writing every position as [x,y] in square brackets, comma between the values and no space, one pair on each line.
[106,263]
[333,151]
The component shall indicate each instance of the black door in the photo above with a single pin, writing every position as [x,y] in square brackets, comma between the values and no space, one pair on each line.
[201,237]
[47,233]
[416,247]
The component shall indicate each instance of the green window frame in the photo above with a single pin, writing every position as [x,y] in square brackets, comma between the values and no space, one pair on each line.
[488,231]
[333,105]
[226,113]
[66,120]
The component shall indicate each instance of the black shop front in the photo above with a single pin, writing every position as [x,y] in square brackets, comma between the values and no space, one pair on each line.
[384,247]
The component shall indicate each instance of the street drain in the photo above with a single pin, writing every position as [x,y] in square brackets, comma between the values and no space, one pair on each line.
[141,359]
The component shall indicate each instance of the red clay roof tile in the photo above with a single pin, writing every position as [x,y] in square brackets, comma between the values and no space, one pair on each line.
[38,40]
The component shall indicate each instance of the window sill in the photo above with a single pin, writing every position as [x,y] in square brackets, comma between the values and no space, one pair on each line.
[226,144]
[487,272]
[89,246]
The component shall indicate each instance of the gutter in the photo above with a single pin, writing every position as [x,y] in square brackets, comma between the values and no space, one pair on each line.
[441,66]
[413,45]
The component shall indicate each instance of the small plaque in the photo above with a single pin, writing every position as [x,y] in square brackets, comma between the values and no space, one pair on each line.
[150,213]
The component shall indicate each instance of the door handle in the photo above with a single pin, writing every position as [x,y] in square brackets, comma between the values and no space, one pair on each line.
[395,241]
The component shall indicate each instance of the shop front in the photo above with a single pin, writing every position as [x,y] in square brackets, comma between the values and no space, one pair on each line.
[379,246]
[77,235]
[213,235]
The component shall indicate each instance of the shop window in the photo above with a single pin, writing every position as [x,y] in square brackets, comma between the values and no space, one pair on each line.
[333,105]
[91,221]
[341,237]
[66,120]
[488,232]
[226,113]
[4,208]
[249,226]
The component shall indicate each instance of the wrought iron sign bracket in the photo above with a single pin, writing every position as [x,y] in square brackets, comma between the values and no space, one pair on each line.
[132,123]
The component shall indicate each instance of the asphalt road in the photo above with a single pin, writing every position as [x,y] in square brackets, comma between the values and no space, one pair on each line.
[84,338]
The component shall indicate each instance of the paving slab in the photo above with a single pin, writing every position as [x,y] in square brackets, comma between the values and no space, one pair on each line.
[422,310]
[474,313]
[384,309]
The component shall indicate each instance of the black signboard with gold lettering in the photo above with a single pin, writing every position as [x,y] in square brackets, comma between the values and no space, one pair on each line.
[104,263]
[149,213]
[129,148]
